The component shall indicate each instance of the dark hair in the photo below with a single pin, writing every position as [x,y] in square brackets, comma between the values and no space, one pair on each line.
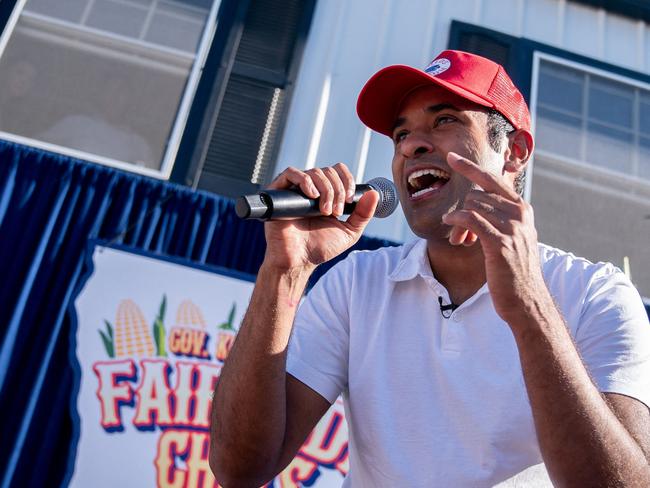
[498,129]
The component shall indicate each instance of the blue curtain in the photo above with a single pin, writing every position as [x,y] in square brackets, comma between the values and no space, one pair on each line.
[50,205]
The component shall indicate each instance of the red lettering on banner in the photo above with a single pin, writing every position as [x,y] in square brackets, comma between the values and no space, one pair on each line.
[156,403]
[114,390]
[198,467]
[225,340]
[343,466]
[299,470]
[171,444]
[174,340]
[208,375]
[153,405]
[327,445]
[198,344]
[188,342]
[191,446]
[184,393]
[182,458]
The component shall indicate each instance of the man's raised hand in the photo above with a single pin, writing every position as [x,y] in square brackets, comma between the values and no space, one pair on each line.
[504,224]
[305,243]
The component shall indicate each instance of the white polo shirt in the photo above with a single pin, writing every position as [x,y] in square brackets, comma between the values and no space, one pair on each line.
[442,402]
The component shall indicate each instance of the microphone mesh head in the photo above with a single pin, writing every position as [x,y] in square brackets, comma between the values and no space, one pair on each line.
[388,200]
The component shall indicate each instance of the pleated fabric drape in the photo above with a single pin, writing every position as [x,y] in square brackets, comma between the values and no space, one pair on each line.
[50,206]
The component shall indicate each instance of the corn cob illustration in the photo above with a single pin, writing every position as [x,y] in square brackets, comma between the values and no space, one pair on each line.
[131,336]
[189,315]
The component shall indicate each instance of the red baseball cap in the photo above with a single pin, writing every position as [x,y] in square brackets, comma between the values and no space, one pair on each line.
[470,76]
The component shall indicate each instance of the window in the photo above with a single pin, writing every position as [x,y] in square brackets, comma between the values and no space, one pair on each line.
[241,125]
[585,113]
[105,80]
[592,117]
[589,182]
[195,91]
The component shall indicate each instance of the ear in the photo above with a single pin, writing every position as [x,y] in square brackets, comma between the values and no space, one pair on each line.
[520,148]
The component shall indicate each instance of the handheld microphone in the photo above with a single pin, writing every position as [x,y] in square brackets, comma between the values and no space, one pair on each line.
[293,204]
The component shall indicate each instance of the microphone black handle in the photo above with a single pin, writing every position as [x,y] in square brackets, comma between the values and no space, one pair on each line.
[287,204]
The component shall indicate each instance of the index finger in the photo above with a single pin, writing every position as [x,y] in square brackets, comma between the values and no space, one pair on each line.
[473,172]
[294,177]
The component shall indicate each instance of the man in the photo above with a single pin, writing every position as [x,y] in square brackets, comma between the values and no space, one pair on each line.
[543,357]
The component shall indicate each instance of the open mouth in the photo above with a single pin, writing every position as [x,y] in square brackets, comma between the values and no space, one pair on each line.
[425,181]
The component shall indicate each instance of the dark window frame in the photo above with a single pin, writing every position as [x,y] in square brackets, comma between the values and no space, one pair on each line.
[210,91]
[219,65]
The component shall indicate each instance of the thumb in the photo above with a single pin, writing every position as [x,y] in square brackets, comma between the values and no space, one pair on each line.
[363,211]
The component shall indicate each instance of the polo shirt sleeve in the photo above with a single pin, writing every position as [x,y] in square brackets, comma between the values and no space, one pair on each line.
[318,349]
[613,336]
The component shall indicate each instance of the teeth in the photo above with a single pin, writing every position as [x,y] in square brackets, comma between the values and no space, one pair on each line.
[421,192]
[438,173]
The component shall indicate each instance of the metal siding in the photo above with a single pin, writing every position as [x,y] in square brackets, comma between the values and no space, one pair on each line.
[582,31]
[503,16]
[464,10]
[409,45]
[362,42]
[350,40]
[621,36]
[542,21]
[602,210]
[645,46]
[312,78]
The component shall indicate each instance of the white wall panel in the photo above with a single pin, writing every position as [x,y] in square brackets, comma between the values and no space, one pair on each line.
[362,40]
[646,49]
[352,39]
[641,34]
[582,30]
[409,33]
[542,20]
[463,10]
[304,123]
[620,41]
[503,16]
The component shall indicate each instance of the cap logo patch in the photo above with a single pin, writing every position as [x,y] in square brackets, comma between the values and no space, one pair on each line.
[438,66]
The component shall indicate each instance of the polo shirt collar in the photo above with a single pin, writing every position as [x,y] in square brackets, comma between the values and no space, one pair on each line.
[413,262]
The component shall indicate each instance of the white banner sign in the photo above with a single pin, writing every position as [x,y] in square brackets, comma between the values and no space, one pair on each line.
[151,337]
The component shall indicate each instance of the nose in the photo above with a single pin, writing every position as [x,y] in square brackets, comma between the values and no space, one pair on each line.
[415,145]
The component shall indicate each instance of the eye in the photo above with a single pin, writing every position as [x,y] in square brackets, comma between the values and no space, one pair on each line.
[444,119]
[400,136]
